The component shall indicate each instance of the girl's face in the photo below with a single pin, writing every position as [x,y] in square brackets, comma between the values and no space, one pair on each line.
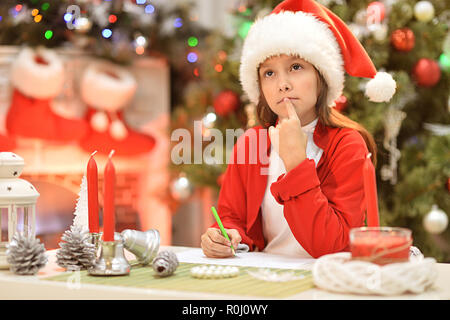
[290,77]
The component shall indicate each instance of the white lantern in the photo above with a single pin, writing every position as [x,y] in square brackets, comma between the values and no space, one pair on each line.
[17,202]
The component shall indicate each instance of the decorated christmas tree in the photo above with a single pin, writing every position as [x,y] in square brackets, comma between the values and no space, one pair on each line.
[407,38]
[119,30]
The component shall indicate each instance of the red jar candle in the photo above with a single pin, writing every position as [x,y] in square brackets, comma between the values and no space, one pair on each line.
[380,245]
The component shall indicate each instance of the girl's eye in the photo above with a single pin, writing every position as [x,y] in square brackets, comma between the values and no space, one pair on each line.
[268,73]
[296,66]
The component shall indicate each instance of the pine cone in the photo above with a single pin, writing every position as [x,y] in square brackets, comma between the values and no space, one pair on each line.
[26,254]
[165,263]
[76,251]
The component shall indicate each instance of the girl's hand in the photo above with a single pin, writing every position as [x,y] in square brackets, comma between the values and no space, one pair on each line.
[289,139]
[215,245]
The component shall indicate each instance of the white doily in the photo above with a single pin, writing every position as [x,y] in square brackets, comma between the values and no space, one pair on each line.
[338,273]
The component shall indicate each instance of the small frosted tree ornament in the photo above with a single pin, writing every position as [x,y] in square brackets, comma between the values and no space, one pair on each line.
[81,217]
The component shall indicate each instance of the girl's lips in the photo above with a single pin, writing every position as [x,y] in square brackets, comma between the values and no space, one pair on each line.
[288,98]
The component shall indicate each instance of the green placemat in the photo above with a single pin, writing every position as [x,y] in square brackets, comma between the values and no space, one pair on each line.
[244,284]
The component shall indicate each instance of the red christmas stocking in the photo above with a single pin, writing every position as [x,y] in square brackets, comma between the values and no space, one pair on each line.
[107,89]
[37,77]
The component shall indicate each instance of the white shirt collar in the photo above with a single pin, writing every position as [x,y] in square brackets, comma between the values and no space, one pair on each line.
[309,128]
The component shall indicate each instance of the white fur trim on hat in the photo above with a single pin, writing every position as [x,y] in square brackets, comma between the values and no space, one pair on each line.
[292,33]
[38,80]
[381,88]
[109,92]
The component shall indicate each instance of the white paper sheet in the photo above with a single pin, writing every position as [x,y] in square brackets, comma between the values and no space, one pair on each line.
[247,259]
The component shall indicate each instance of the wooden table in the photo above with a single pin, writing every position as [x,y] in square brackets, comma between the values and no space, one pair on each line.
[35,287]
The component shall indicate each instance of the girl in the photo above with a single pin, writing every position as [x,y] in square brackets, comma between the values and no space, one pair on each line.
[305,199]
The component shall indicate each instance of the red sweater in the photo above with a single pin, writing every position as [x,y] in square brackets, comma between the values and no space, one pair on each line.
[321,204]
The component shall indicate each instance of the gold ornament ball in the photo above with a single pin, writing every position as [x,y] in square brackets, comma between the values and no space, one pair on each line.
[379,32]
[361,17]
[424,11]
[406,11]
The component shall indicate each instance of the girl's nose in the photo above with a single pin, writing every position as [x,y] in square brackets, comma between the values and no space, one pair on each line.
[285,86]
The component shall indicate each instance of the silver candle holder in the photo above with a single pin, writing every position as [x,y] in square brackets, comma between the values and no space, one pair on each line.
[94,238]
[111,261]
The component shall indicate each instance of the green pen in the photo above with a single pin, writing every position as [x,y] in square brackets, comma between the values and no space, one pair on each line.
[219,222]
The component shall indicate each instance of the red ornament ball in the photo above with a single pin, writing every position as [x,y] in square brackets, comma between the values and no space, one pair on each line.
[403,39]
[341,103]
[376,12]
[448,184]
[226,102]
[426,72]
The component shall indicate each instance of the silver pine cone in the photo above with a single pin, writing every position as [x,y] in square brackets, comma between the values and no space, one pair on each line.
[165,263]
[26,254]
[76,252]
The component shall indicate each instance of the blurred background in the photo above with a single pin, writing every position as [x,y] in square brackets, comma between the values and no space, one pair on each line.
[133,71]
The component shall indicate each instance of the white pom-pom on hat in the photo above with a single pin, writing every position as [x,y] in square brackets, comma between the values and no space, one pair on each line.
[381,88]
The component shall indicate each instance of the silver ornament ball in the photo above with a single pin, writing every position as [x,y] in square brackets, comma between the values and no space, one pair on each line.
[181,188]
[436,221]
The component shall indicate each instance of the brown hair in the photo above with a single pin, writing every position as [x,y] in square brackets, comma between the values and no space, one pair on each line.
[327,116]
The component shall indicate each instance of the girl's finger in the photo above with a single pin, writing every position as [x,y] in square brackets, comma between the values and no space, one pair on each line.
[290,109]
[235,237]
[210,253]
[214,249]
[216,236]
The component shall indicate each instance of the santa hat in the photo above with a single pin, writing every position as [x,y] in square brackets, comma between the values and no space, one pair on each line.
[311,31]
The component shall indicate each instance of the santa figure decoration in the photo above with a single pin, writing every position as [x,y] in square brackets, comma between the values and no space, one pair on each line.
[37,77]
[107,89]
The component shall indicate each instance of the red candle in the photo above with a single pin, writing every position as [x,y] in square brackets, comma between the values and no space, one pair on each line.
[92,186]
[381,249]
[370,191]
[108,205]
